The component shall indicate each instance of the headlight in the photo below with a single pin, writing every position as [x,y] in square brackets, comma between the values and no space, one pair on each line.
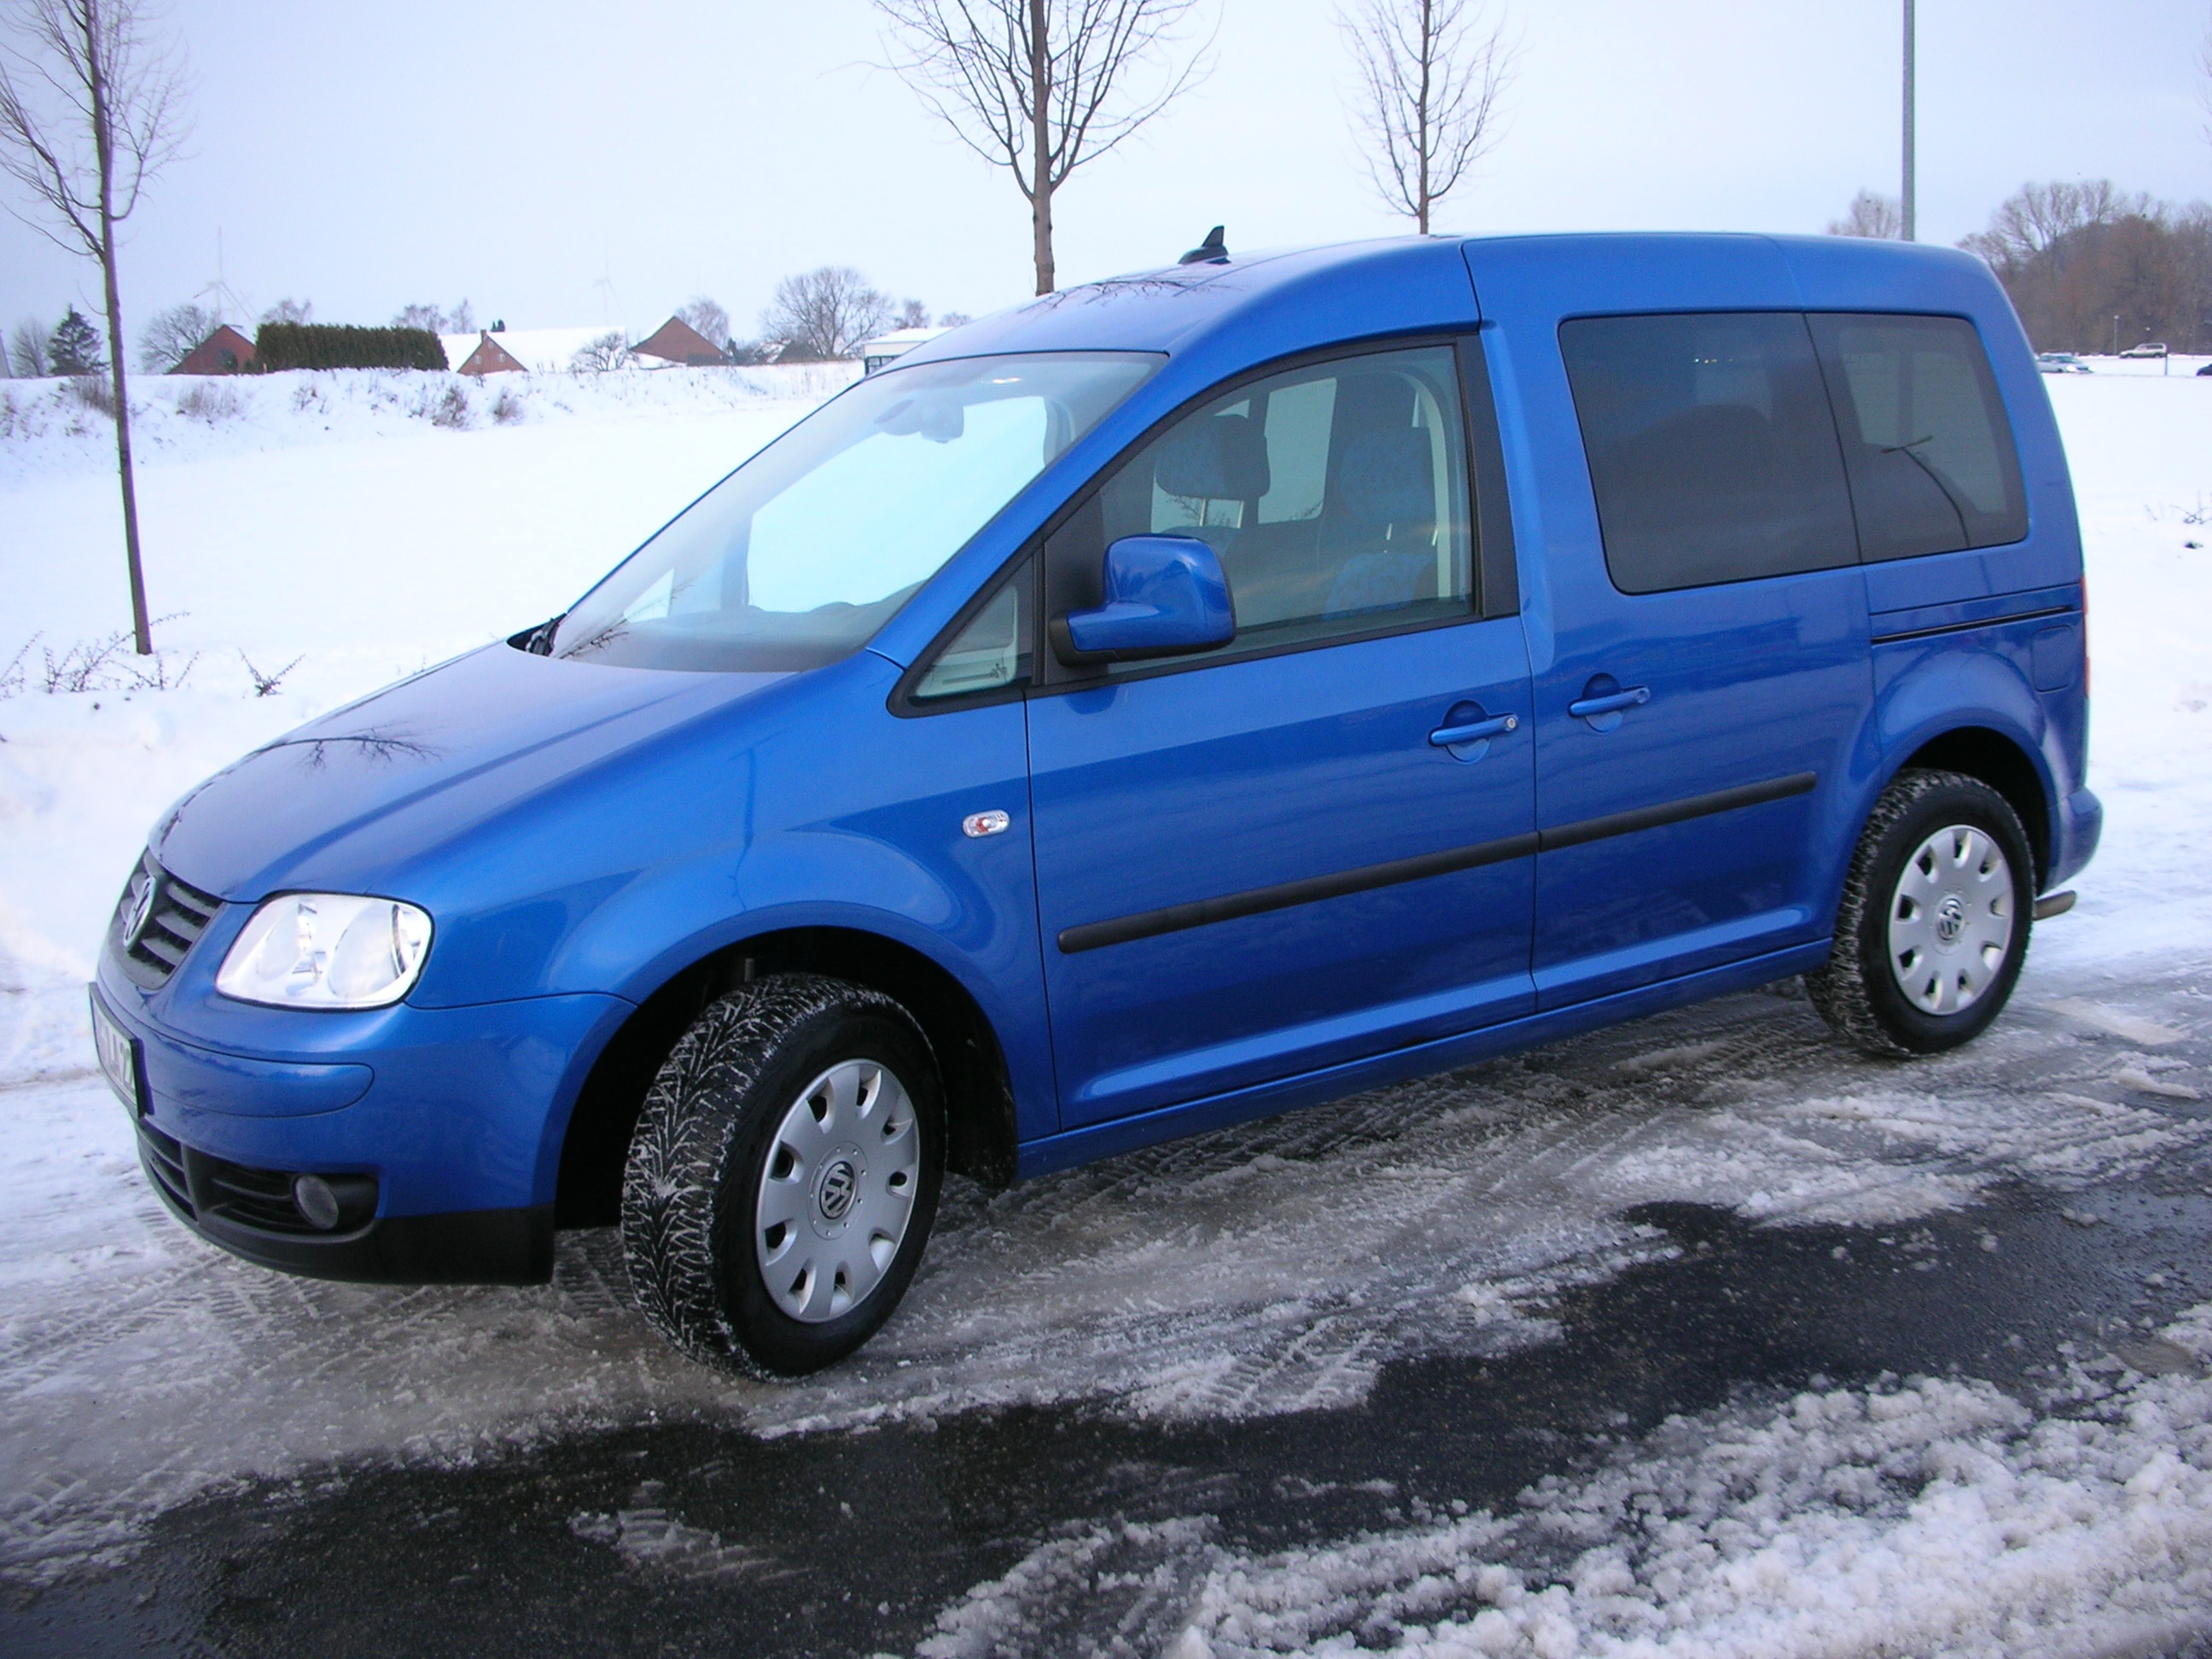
[326,950]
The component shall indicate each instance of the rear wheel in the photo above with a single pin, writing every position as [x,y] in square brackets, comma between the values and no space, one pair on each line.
[784,1175]
[1935,918]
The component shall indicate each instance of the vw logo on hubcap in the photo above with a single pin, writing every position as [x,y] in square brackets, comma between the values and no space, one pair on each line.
[1950,919]
[840,1186]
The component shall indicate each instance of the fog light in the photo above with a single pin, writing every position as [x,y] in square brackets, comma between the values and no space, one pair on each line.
[317,1204]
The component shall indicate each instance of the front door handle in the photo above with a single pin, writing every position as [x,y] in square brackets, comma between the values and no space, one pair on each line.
[1633,697]
[1445,737]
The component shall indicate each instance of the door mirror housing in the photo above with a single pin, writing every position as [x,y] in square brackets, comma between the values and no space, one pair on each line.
[1164,595]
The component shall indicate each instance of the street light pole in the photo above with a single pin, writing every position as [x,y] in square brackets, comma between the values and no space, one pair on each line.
[1905,197]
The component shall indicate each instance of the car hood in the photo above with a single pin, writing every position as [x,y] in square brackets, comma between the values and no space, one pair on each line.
[351,801]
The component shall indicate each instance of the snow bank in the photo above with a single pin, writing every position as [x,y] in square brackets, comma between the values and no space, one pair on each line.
[1915,1516]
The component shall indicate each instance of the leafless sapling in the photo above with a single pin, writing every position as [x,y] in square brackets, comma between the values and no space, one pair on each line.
[91,110]
[1042,86]
[1430,75]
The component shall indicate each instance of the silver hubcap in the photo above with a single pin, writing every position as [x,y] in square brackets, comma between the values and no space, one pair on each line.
[1951,919]
[837,1192]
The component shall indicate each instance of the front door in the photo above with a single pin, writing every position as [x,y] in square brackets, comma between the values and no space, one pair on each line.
[1711,667]
[1263,861]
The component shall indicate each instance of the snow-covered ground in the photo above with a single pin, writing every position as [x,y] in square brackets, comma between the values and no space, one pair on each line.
[1274,1268]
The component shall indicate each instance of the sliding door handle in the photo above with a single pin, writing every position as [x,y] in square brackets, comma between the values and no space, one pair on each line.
[1633,697]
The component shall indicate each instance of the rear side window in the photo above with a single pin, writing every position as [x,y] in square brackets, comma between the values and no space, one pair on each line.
[1932,465]
[1711,447]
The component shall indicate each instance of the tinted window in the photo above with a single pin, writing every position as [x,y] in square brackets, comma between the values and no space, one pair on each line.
[1932,465]
[1711,448]
[1334,494]
[991,653]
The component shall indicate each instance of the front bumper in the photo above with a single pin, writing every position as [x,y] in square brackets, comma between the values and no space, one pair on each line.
[455,1115]
[250,1212]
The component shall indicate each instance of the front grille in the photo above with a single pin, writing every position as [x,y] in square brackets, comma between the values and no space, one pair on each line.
[157,920]
[206,1187]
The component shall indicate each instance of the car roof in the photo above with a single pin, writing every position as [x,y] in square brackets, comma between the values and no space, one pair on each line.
[1345,290]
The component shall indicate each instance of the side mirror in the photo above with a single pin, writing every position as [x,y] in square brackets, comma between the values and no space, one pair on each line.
[1166,595]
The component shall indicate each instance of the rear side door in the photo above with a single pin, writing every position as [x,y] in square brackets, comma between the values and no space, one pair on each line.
[1266,860]
[1709,669]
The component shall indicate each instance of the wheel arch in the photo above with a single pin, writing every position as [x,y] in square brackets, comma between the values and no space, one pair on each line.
[2004,764]
[980,1138]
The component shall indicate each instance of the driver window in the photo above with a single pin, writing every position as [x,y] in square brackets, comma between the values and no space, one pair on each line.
[1335,496]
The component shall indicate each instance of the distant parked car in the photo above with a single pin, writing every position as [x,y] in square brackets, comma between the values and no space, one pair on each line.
[2060,362]
[2148,348]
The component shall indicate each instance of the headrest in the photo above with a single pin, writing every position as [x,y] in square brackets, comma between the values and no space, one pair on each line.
[1385,479]
[1223,457]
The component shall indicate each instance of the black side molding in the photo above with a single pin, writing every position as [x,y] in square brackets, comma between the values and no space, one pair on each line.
[1174,918]
[1255,900]
[1676,812]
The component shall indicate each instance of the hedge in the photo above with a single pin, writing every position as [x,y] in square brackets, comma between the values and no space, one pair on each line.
[336,345]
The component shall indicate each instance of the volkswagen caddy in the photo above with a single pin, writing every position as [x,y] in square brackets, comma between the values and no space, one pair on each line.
[1167,702]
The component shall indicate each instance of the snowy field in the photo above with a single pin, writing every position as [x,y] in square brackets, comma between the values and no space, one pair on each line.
[330,520]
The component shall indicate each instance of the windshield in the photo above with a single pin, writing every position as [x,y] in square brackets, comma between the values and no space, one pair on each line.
[800,555]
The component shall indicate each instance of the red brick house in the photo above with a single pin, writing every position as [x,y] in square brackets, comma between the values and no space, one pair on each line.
[226,351]
[677,342]
[490,357]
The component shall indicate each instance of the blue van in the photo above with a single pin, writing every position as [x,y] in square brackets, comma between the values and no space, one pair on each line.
[1175,700]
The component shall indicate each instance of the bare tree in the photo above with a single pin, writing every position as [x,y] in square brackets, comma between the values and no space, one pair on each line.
[420,316]
[1872,215]
[91,109]
[27,351]
[290,311]
[1042,86]
[2035,216]
[462,318]
[609,352]
[708,318]
[1429,78]
[170,336]
[912,313]
[825,314]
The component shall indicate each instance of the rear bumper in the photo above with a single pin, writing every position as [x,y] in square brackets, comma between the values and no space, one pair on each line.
[2080,823]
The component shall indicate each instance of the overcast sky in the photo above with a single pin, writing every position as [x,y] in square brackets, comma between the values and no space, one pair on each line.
[563,163]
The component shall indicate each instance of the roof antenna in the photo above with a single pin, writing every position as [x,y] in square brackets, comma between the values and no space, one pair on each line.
[1210,251]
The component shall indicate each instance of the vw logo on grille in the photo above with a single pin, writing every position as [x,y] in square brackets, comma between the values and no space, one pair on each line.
[840,1185]
[138,905]
[1950,919]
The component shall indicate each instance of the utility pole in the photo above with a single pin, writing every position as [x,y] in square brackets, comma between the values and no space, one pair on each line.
[1906,195]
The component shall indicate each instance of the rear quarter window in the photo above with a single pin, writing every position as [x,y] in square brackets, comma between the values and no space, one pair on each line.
[1931,454]
[1712,451]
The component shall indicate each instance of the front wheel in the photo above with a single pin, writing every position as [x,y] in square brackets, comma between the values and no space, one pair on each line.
[1935,918]
[784,1175]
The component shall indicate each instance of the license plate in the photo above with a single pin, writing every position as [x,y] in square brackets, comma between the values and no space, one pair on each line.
[119,1056]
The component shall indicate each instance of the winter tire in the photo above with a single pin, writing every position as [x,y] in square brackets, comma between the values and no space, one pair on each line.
[1935,919]
[784,1175]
